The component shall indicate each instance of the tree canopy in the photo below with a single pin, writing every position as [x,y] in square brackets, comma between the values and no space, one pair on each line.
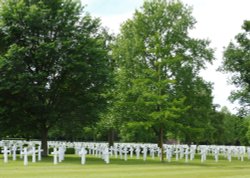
[53,65]
[237,62]
[156,59]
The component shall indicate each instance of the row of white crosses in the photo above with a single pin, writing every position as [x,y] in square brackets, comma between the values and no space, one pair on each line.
[180,151]
[125,150]
[24,153]
[227,151]
[58,154]
[144,150]
[98,149]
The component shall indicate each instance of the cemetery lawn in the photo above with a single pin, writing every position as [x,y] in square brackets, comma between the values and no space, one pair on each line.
[132,168]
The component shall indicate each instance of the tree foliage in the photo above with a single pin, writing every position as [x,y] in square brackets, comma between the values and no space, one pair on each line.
[53,65]
[197,120]
[237,62]
[157,59]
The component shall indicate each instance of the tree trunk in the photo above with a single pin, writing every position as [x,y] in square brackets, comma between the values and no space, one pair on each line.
[161,143]
[111,137]
[45,142]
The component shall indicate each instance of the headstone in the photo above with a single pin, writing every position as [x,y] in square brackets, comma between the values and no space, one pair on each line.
[5,152]
[106,155]
[21,149]
[61,152]
[120,152]
[14,149]
[186,154]
[125,151]
[158,149]
[229,154]
[224,151]
[25,156]
[116,151]
[99,151]
[242,153]
[203,154]
[168,151]
[177,154]
[192,152]
[152,152]
[39,152]
[91,149]
[55,155]
[33,151]
[182,152]
[145,152]
[137,151]
[216,154]
[248,152]
[83,153]
[131,150]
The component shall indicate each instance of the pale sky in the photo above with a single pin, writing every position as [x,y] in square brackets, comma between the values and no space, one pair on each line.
[217,20]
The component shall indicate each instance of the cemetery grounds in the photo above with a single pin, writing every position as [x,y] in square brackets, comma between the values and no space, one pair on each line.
[132,167]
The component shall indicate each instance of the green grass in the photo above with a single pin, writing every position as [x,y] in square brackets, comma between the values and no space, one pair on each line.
[132,168]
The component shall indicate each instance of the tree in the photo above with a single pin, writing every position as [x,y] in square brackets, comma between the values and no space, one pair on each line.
[53,66]
[237,61]
[247,126]
[153,52]
[108,125]
[235,128]
[196,121]
[226,128]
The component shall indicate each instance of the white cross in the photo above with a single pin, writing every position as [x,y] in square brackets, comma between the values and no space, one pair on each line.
[33,151]
[14,152]
[61,152]
[39,151]
[125,151]
[138,150]
[229,156]
[216,154]
[177,154]
[186,155]
[21,149]
[152,152]
[55,153]
[106,155]
[83,153]
[5,152]
[25,153]
[169,154]
[131,151]
[145,151]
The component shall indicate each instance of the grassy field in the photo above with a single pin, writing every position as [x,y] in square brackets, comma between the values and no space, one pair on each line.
[132,168]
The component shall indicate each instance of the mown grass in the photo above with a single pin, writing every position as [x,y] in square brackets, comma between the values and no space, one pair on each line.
[132,168]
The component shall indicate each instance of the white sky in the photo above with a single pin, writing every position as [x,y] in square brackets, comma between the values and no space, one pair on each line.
[217,20]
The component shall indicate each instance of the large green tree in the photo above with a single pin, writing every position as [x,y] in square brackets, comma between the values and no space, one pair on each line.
[196,121]
[155,55]
[237,62]
[53,66]
[234,129]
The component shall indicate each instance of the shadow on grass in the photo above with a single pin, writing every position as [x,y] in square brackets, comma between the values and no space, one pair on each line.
[91,160]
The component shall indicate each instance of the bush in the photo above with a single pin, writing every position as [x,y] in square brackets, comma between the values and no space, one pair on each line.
[70,151]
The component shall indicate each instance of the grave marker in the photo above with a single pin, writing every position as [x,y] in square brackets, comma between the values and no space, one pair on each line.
[5,152]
